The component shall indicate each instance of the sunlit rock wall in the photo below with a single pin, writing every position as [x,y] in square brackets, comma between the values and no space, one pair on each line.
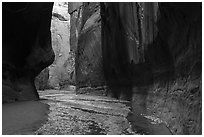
[61,72]
[26,48]
[60,41]
[161,74]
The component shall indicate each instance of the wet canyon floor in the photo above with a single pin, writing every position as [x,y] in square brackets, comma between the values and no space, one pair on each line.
[78,114]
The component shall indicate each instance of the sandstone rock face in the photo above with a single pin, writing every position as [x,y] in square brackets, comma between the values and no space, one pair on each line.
[156,55]
[75,11]
[87,40]
[179,38]
[60,41]
[61,72]
[41,81]
[26,48]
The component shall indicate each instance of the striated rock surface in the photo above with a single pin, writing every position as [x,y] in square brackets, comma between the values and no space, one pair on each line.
[75,11]
[26,48]
[176,92]
[153,50]
[87,40]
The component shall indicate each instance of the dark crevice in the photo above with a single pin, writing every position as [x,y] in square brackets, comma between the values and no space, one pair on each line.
[60,17]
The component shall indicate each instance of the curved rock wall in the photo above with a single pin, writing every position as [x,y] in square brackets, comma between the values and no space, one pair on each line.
[41,81]
[61,72]
[26,47]
[60,26]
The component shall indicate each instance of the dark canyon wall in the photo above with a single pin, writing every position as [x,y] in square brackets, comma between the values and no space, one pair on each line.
[86,41]
[26,48]
[152,56]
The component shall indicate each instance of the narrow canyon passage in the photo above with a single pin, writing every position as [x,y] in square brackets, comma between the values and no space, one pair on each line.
[101,68]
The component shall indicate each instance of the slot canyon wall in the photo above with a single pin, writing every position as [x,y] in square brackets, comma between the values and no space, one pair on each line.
[76,39]
[86,38]
[152,54]
[62,72]
[26,48]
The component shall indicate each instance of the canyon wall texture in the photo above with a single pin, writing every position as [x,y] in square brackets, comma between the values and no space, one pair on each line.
[86,38]
[41,81]
[60,26]
[154,52]
[61,72]
[75,11]
[26,48]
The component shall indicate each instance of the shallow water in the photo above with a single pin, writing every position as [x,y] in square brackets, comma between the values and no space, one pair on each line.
[23,117]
